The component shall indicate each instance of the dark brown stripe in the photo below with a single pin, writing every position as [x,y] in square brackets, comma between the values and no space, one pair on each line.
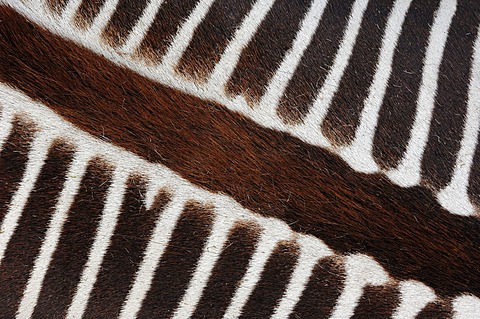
[228,271]
[315,192]
[74,244]
[25,243]
[212,37]
[435,310]
[132,234]
[56,5]
[447,123]
[13,160]
[178,263]
[343,115]
[123,20]
[377,303]
[87,11]
[315,64]
[168,20]
[399,106]
[262,56]
[474,179]
[322,291]
[275,277]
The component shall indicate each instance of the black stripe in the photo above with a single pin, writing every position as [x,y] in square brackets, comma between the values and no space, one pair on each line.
[56,6]
[212,37]
[13,160]
[315,63]
[228,271]
[397,113]
[436,310]
[326,280]
[74,244]
[25,243]
[168,19]
[451,102]
[87,11]
[272,284]
[265,52]
[123,20]
[343,115]
[377,303]
[132,234]
[178,262]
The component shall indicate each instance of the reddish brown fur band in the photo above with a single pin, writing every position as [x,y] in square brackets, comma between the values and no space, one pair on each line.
[267,171]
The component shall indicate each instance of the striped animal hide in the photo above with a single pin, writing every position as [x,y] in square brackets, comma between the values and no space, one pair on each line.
[239,159]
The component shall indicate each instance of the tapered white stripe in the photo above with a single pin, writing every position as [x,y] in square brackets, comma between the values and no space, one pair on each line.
[455,197]
[408,172]
[184,36]
[69,12]
[105,230]
[267,243]
[324,97]
[5,125]
[72,184]
[310,252]
[143,25]
[361,271]
[155,249]
[36,158]
[101,20]
[414,296]
[210,255]
[224,68]
[466,307]
[359,154]
[278,83]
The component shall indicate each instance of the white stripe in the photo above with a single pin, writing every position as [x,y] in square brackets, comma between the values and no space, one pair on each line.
[408,172]
[455,197]
[5,126]
[101,20]
[414,296]
[155,249]
[268,241]
[311,252]
[466,307]
[279,81]
[361,271]
[359,154]
[102,241]
[69,11]
[72,184]
[210,255]
[184,36]
[143,25]
[224,68]
[36,158]
[324,97]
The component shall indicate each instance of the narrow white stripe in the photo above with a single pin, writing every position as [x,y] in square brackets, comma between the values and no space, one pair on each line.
[36,158]
[224,68]
[155,249]
[414,296]
[361,271]
[279,81]
[466,307]
[69,12]
[210,255]
[359,154]
[72,184]
[101,21]
[5,126]
[268,241]
[408,172]
[454,197]
[143,25]
[311,252]
[184,36]
[324,97]
[102,241]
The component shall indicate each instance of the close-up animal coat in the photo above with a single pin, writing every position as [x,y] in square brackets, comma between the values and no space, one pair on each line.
[239,159]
